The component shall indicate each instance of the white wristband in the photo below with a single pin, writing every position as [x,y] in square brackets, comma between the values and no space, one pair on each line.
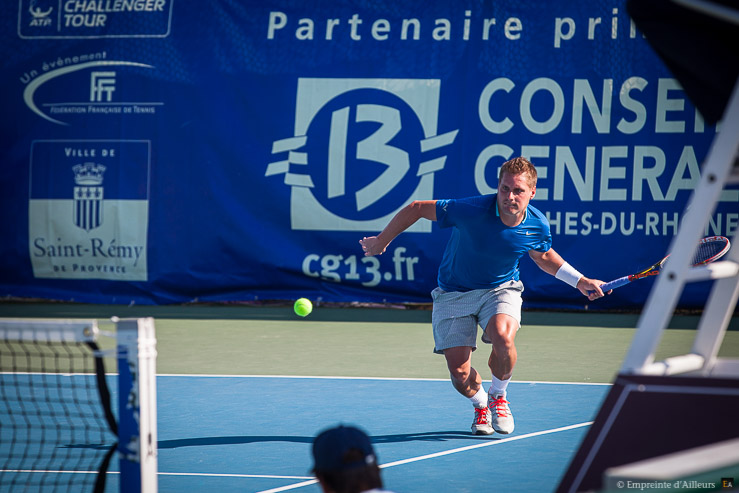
[568,274]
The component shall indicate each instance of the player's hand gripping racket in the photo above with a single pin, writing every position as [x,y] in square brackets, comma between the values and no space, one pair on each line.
[709,249]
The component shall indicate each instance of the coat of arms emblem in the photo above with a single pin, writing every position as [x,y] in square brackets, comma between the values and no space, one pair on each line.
[88,195]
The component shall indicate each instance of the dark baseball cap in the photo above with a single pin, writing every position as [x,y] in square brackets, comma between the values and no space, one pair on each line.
[342,448]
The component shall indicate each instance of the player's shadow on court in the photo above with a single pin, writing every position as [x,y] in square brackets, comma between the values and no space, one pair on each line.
[432,436]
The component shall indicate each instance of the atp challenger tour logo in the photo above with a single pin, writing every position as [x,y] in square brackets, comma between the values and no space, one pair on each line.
[88,210]
[362,149]
[55,19]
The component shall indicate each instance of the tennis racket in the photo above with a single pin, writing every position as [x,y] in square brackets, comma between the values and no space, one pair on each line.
[709,249]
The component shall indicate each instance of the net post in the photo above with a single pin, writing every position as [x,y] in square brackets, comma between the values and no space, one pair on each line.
[137,429]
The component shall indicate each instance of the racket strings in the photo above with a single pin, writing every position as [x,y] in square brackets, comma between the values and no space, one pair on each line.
[708,250]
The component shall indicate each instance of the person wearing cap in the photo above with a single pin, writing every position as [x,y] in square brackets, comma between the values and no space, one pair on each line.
[345,462]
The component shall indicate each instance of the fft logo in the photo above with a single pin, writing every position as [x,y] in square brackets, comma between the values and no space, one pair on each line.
[102,86]
[362,149]
[77,91]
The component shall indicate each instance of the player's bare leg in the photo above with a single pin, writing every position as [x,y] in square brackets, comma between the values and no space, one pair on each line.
[464,378]
[501,330]
[468,382]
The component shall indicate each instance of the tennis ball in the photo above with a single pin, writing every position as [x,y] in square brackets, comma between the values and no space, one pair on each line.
[303,307]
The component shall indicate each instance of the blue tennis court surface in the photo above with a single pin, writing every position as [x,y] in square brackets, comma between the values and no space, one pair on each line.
[254,434]
[231,433]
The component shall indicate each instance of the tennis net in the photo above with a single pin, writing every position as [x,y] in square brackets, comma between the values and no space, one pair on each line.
[59,428]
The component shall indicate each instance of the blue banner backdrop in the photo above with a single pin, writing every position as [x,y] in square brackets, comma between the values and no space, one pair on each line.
[163,151]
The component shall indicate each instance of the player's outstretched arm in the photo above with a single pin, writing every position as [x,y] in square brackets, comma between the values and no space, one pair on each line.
[404,219]
[552,263]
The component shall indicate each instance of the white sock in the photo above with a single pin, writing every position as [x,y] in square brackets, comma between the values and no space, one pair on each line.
[499,386]
[480,399]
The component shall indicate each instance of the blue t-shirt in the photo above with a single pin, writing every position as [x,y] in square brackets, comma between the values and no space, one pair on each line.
[483,252]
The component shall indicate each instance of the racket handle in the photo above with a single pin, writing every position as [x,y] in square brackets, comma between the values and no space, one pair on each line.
[616,283]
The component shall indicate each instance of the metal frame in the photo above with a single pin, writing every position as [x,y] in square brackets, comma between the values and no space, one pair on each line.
[137,428]
[720,168]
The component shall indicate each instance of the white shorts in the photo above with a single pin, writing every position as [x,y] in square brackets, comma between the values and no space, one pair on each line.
[456,314]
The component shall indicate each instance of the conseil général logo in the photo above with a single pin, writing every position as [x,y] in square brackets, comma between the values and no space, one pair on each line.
[361,150]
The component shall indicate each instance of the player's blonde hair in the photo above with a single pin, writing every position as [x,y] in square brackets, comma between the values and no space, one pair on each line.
[519,165]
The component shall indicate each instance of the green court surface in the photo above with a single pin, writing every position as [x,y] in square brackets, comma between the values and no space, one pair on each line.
[371,342]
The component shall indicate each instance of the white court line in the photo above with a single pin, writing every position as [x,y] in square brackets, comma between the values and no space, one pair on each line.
[402,379]
[251,476]
[487,444]
[292,377]
[41,471]
[446,452]
[205,474]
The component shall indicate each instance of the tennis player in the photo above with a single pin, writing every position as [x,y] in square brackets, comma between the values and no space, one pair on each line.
[479,281]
